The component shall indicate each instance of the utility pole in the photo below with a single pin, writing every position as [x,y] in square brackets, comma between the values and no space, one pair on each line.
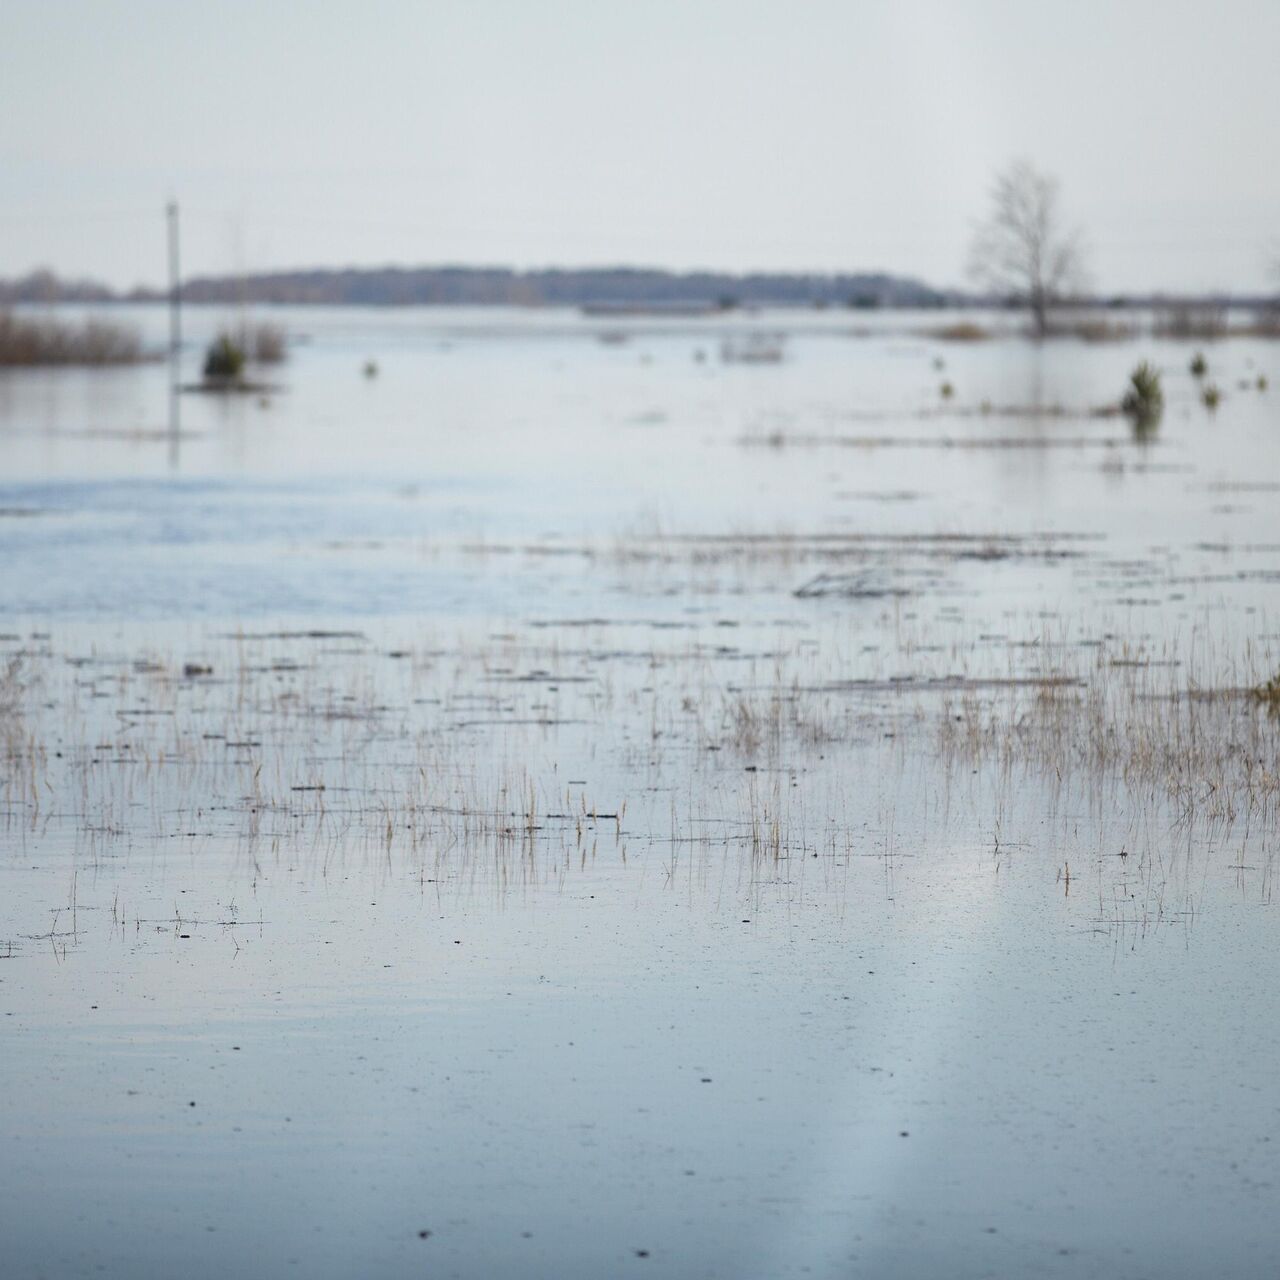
[175,328]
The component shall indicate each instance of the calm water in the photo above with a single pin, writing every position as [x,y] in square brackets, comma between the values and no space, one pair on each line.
[620,811]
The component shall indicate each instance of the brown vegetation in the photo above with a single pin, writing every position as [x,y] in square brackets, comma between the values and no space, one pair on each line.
[26,342]
[1191,320]
[961,331]
[264,343]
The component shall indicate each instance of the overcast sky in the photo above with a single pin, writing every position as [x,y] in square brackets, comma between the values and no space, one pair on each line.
[739,135]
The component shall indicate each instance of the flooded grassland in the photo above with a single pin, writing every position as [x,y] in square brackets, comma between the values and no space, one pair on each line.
[580,807]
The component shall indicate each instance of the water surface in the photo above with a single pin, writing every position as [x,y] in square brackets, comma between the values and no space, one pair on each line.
[615,810]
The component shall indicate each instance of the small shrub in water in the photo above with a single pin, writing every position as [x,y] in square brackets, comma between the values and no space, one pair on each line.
[1262,382]
[1211,396]
[224,361]
[1144,400]
[1199,365]
[947,390]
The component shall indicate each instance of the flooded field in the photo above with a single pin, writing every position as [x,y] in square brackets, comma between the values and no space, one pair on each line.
[582,801]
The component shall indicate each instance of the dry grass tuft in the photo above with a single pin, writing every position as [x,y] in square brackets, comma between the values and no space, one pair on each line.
[1268,693]
[961,331]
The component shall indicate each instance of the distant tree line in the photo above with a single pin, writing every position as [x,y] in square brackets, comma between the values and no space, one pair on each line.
[44,286]
[602,287]
[1022,257]
[591,287]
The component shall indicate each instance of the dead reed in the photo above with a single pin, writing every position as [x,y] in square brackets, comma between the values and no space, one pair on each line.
[26,341]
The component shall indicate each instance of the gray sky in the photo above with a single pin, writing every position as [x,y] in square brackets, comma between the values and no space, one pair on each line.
[795,135]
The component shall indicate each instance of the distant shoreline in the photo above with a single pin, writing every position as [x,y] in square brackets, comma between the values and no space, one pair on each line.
[598,291]
[594,287]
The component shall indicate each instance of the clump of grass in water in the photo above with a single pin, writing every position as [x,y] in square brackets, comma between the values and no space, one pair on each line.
[1269,693]
[962,331]
[30,342]
[224,360]
[1199,365]
[1191,321]
[1211,396]
[1143,402]
[946,391]
[265,344]
[1096,330]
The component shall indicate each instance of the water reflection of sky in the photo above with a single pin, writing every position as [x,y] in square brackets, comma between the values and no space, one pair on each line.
[337,492]
[903,1049]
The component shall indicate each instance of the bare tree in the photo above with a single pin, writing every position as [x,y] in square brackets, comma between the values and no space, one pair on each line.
[1022,248]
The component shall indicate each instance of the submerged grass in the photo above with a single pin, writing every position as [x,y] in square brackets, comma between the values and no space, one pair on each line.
[515,759]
